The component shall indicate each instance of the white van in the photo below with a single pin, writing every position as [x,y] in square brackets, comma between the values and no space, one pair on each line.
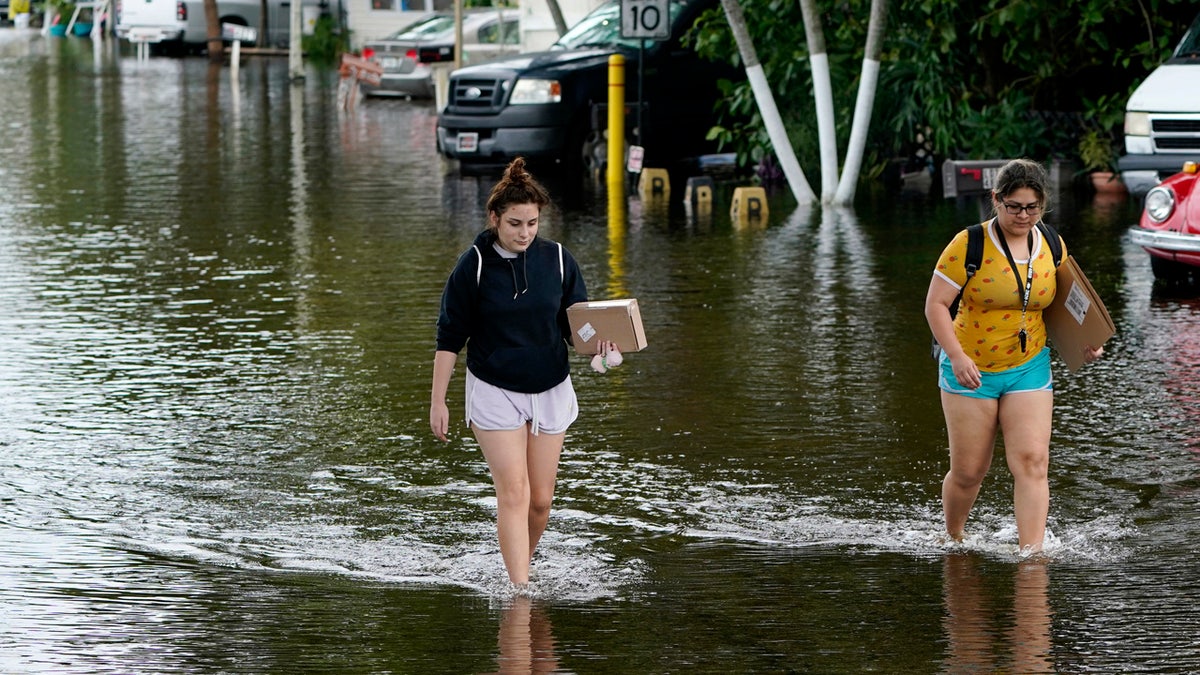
[1162,118]
[183,21]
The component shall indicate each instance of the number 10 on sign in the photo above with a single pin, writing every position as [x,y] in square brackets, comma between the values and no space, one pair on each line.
[646,19]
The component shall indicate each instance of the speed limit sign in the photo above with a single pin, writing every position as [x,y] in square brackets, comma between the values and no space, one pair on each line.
[645,19]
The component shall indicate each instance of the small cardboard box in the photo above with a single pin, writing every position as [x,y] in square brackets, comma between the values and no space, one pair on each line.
[618,321]
[1077,318]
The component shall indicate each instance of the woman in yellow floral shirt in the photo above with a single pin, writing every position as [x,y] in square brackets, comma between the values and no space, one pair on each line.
[994,369]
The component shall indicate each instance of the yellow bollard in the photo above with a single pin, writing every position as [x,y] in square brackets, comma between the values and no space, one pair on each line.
[654,184]
[616,124]
[699,192]
[749,203]
[698,199]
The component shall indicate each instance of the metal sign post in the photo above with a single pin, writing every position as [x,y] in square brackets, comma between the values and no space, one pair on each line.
[644,20]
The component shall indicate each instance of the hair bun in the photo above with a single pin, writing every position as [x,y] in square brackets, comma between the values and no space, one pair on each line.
[517,186]
[516,170]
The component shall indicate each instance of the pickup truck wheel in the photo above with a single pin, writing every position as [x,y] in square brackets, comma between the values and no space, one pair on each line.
[593,152]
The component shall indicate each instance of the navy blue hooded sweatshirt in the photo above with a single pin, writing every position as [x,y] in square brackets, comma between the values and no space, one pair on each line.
[513,320]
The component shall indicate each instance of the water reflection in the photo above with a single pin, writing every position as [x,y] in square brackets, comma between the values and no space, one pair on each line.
[216,330]
[1182,370]
[982,636]
[616,246]
[526,639]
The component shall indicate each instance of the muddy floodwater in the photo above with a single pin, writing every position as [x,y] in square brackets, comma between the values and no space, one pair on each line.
[217,307]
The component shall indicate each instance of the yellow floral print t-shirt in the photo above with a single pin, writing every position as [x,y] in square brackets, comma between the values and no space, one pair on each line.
[989,315]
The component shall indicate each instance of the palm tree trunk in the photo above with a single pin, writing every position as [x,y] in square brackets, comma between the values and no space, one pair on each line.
[864,106]
[766,105]
[216,48]
[560,24]
[823,93]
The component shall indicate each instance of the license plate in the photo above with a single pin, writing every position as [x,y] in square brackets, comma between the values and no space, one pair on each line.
[468,141]
[390,61]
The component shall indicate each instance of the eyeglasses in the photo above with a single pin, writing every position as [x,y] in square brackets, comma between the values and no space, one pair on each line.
[1015,209]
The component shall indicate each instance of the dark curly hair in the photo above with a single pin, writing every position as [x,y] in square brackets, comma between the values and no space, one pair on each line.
[517,186]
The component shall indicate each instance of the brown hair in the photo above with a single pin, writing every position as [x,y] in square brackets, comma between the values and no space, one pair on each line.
[1022,173]
[517,186]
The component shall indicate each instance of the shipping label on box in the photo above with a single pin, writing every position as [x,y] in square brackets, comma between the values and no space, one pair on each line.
[1077,319]
[617,321]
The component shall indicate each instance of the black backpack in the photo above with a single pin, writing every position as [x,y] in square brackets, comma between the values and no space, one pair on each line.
[975,258]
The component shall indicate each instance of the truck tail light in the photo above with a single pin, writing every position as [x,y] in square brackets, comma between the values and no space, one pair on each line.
[180,11]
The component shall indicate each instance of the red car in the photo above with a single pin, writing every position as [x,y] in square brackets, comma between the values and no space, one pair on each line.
[1169,228]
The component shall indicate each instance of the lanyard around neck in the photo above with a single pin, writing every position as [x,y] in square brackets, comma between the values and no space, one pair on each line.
[1022,290]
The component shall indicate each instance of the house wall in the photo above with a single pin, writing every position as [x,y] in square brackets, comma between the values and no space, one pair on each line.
[374,19]
[537,24]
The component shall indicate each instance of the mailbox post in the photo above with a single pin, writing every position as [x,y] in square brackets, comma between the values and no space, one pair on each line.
[237,34]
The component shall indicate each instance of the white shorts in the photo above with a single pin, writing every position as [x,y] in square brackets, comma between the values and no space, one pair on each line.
[490,408]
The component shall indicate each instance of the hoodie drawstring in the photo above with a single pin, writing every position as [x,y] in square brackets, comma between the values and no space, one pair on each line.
[524,271]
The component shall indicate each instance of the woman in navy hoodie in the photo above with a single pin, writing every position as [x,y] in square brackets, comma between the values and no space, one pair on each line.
[506,302]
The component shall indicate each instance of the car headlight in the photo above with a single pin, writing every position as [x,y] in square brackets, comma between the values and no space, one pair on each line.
[1137,124]
[536,91]
[1160,203]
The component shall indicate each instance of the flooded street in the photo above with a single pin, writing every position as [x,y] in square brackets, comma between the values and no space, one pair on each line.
[216,340]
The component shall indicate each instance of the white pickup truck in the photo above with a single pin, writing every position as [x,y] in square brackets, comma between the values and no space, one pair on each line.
[1162,118]
[183,22]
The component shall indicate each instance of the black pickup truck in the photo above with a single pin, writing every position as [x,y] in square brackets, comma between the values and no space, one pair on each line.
[552,106]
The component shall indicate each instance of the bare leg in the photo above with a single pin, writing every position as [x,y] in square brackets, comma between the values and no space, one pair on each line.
[1025,420]
[971,425]
[542,462]
[507,457]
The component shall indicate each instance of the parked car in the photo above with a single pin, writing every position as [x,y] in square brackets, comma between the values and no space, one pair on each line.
[551,106]
[1162,118]
[181,24]
[1169,228]
[407,56]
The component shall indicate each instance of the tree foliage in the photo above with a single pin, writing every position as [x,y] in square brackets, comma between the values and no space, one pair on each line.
[992,78]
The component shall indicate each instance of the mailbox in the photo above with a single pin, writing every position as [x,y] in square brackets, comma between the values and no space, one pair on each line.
[970,177]
[237,33]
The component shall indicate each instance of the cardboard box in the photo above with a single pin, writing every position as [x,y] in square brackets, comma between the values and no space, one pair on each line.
[1077,319]
[618,321]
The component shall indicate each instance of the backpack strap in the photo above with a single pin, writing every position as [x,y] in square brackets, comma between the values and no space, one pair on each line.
[972,262]
[1054,240]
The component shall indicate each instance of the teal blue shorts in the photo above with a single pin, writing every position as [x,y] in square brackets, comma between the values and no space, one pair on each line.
[1033,375]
